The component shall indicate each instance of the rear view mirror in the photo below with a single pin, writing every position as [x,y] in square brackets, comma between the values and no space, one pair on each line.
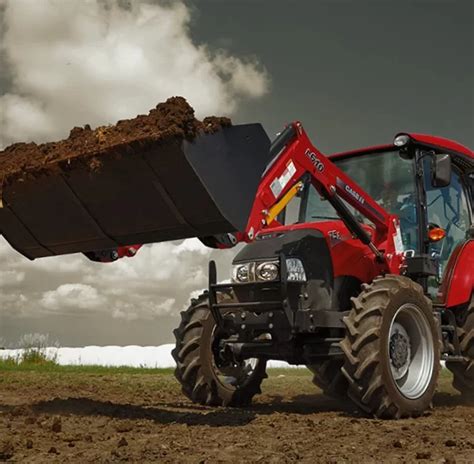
[441,170]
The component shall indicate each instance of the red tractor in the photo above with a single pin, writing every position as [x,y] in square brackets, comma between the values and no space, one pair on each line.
[359,265]
[369,284]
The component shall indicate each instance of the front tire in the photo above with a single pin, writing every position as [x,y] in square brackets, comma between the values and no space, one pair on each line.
[391,348]
[328,377]
[196,370]
[463,372]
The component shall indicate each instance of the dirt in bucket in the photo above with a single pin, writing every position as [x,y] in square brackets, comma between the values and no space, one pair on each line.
[172,119]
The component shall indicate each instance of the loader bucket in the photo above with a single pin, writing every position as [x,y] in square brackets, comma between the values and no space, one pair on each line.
[141,193]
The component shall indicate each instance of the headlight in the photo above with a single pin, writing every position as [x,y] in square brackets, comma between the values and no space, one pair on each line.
[267,271]
[401,140]
[241,273]
[295,270]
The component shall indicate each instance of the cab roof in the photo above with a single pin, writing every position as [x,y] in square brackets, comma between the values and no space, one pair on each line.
[423,139]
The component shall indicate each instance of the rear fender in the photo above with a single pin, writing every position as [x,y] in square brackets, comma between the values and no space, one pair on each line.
[458,278]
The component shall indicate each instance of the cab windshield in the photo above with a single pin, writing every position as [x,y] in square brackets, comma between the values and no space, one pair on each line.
[387,178]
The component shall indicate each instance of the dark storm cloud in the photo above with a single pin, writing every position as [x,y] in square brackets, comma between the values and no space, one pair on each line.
[355,72]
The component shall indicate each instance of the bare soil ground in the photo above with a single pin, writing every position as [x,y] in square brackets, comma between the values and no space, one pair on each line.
[74,415]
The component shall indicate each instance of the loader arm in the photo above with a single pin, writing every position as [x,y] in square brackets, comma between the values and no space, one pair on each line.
[294,158]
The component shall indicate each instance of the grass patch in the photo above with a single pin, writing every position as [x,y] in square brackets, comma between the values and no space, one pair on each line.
[11,364]
[27,363]
[34,364]
[47,365]
[32,356]
[288,372]
[29,357]
[51,366]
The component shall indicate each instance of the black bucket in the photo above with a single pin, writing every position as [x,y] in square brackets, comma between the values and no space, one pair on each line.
[169,190]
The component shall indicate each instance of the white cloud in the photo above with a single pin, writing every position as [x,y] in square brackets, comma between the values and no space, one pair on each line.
[72,296]
[13,304]
[243,77]
[126,315]
[192,244]
[156,282]
[11,277]
[159,263]
[148,309]
[94,62]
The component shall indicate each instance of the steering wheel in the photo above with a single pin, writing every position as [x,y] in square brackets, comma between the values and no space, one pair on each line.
[454,221]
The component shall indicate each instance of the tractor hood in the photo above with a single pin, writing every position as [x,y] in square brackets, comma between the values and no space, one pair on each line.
[311,248]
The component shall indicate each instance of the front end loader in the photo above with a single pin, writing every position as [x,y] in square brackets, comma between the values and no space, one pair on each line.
[358,265]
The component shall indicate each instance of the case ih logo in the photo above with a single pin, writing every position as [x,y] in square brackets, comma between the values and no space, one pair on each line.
[358,197]
[317,163]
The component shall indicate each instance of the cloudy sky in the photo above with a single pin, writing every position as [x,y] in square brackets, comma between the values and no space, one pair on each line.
[355,73]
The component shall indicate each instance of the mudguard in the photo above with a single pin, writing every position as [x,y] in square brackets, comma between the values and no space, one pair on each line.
[458,279]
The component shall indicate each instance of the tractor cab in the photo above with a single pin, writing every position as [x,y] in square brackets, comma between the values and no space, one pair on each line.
[430,190]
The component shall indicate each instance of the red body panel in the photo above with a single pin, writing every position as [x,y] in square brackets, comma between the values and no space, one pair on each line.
[441,142]
[458,279]
[424,139]
[350,257]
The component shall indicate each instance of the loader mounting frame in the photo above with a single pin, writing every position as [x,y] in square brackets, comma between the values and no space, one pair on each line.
[297,336]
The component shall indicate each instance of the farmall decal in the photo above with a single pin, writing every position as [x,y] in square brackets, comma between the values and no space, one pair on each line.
[318,164]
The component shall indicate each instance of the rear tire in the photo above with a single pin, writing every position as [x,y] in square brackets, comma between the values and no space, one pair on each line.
[463,372]
[328,377]
[201,380]
[391,348]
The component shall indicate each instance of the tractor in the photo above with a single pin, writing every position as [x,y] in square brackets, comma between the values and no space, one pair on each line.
[359,265]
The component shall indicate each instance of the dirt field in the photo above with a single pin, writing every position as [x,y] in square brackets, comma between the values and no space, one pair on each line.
[99,415]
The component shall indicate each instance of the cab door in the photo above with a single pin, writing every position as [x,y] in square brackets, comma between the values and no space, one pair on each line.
[449,208]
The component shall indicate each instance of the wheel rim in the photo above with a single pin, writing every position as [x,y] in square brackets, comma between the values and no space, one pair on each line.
[237,375]
[234,375]
[410,348]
